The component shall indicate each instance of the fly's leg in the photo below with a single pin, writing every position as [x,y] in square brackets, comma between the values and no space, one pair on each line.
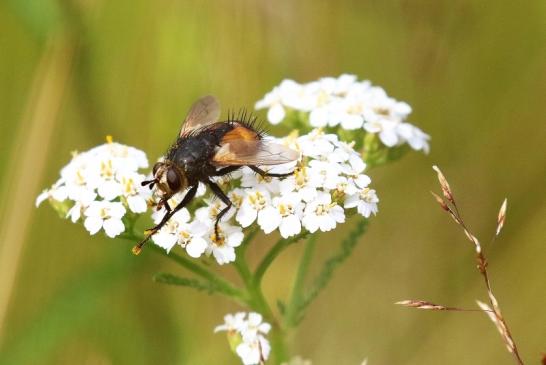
[223,197]
[226,170]
[263,173]
[150,232]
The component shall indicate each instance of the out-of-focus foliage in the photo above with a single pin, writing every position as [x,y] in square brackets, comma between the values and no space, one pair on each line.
[73,71]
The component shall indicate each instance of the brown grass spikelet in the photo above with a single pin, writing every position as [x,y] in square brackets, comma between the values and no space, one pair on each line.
[501,217]
[446,189]
[422,304]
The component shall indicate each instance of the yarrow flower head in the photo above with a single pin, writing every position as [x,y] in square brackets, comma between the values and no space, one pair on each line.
[327,183]
[246,334]
[348,104]
[100,186]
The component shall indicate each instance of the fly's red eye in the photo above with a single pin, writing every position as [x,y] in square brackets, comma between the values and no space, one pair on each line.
[173,180]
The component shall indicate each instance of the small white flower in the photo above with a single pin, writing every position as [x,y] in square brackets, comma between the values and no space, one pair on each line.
[322,213]
[191,237]
[252,352]
[253,180]
[232,323]
[299,182]
[288,210]
[106,215]
[365,199]
[169,234]
[349,104]
[254,347]
[108,171]
[58,192]
[223,246]
[253,206]
[254,326]
[85,197]
[136,194]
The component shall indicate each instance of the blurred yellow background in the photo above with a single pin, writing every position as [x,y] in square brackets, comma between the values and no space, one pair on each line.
[474,72]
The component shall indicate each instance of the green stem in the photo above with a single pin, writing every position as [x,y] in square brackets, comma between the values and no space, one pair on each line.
[273,253]
[279,349]
[330,265]
[296,298]
[257,300]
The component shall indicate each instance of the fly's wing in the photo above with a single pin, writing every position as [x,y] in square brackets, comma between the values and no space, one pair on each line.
[203,112]
[253,152]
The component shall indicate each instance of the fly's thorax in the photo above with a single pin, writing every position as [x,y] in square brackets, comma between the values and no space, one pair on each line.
[170,178]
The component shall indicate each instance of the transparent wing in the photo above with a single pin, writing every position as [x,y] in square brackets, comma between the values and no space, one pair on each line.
[203,112]
[255,152]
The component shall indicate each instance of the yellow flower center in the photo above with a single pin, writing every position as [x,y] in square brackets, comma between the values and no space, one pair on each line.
[323,209]
[106,169]
[257,200]
[286,209]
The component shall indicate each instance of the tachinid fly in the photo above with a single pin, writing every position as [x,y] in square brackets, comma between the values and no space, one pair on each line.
[205,148]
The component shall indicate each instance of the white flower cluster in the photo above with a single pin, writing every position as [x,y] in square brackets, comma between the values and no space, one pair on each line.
[348,103]
[328,179]
[247,332]
[99,186]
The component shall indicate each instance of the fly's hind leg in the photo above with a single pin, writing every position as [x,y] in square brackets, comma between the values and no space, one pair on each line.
[226,170]
[223,197]
[263,173]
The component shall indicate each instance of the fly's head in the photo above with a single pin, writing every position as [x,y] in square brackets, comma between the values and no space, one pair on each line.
[169,178]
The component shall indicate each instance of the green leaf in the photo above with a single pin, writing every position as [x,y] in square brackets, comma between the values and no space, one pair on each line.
[207,286]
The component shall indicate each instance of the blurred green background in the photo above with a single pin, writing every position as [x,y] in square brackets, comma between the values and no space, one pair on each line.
[72,72]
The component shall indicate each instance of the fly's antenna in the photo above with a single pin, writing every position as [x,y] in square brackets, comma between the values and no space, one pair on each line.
[149,182]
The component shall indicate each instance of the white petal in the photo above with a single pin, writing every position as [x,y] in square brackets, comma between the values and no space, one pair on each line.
[269,219]
[113,227]
[93,224]
[115,209]
[318,117]
[110,190]
[388,137]
[276,114]
[75,212]
[224,254]
[250,355]
[234,239]
[164,240]
[290,226]
[137,204]
[310,222]
[326,223]
[246,215]
[196,247]
[43,196]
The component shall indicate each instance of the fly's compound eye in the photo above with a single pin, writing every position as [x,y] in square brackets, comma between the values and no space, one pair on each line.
[156,167]
[173,179]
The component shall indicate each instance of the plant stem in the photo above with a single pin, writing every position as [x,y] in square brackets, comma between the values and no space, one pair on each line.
[223,284]
[509,340]
[258,303]
[273,253]
[292,311]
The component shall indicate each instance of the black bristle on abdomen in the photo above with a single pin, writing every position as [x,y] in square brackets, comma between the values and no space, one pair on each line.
[248,120]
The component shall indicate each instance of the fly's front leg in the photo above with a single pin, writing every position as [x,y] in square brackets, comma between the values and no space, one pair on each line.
[263,173]
[150,232]
[223,197]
